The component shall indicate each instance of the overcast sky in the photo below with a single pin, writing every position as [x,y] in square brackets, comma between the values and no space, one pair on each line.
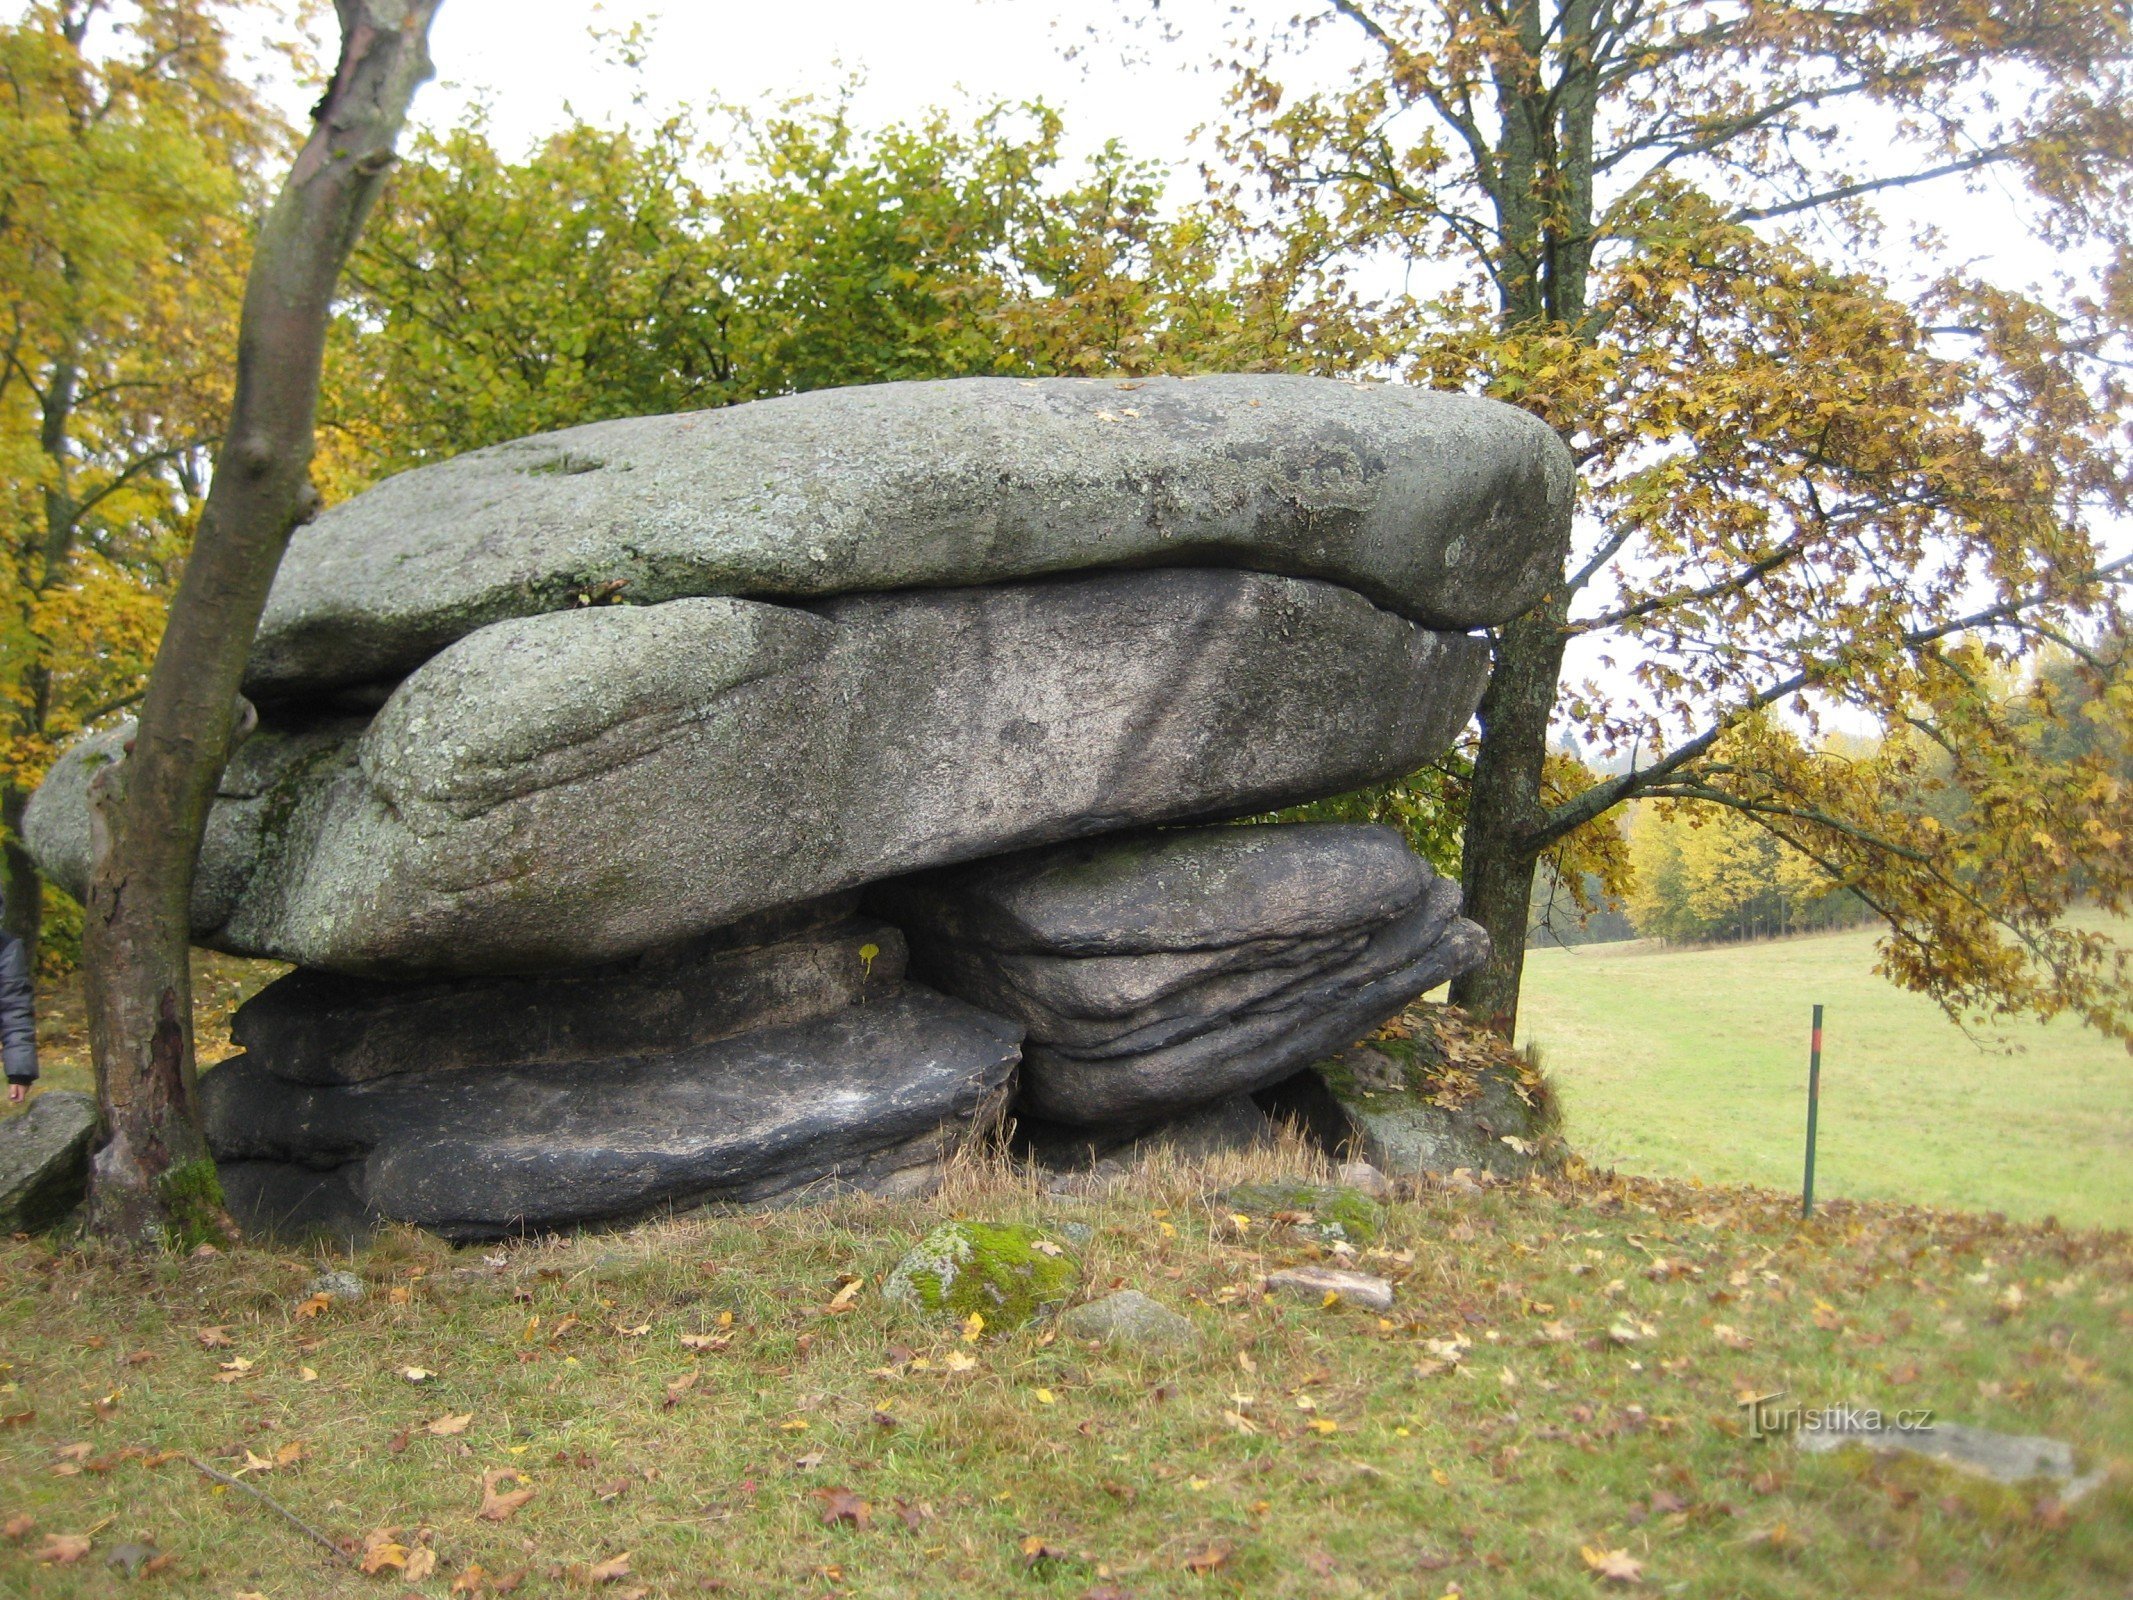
[531,58]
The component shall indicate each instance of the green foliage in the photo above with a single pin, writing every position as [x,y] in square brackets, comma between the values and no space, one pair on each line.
[618,272]
[59,943]
[1428,807]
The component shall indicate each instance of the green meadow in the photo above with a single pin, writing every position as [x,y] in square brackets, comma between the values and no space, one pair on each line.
[1692,1063]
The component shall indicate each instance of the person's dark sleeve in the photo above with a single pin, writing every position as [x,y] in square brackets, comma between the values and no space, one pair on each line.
[18,1012]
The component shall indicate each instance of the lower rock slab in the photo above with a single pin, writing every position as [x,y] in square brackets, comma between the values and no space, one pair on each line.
[870,1098]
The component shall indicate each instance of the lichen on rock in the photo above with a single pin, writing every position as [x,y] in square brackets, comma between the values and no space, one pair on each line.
[1326,1213]
[1008,1273]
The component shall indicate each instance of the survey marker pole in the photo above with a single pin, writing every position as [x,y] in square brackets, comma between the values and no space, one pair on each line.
[1814,1104]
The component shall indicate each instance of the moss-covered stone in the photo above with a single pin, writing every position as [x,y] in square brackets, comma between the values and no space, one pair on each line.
[1007,1272]
[1434,1092]
[1325,1213]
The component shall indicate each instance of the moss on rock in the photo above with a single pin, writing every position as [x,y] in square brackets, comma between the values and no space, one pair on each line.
[1007,1272]
[1326,1213]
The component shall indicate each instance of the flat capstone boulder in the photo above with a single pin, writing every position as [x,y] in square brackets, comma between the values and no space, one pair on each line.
[1446,509]
[866,1099]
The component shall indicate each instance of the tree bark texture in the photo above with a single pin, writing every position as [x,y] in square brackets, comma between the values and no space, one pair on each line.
[152,1179]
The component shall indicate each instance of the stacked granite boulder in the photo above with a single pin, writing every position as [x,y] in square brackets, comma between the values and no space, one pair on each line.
[579,757]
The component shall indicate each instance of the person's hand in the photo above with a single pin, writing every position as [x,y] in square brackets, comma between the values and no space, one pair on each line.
[16,1092]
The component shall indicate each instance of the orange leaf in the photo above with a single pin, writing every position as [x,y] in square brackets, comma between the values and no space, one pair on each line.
[609,1570]
[502,1506]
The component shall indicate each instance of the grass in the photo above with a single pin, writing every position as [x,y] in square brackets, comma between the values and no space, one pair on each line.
[1692,1063]
[1474,1443]
[711,1399]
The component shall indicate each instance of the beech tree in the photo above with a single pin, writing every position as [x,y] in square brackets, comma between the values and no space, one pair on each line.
[1823,463]
[152,1178]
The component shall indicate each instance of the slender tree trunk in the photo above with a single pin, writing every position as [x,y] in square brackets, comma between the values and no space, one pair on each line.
[1504,806]
[153,1180]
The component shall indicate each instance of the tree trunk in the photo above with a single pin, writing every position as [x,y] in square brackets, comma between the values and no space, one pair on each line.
[153,1180]
[1504,807]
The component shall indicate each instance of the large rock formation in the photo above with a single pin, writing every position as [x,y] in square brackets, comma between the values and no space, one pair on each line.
[576,755]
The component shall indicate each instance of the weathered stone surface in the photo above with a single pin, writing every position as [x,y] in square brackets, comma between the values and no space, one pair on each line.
[1128,1317]
[1207,891]
[1315,1283]
[44,1158]
[319,1027]
[1165,970]
[855,1099]
[580,787]
[1450,510]
[1008,1273]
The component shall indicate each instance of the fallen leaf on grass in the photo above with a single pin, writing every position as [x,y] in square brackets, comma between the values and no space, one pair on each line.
[1035,1550]
[843,1298]
[675,1390]
[417,1374]
[213,1338]
[446,1427]
[1732,1338]
[706,1341]
[313,1306]
[381,1549]
[17,1527]
[840,1505]
[958,1360]
[1213,1559]
[421,1562]
[18,1419]
[472,1577]
[610,1570]
[288,1455]
[501,1506]
[1616,1566]
[1826,1317]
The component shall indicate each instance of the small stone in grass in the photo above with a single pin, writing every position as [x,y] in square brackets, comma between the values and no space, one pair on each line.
[1315,1283]
[337,1285]
[1127,1317]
